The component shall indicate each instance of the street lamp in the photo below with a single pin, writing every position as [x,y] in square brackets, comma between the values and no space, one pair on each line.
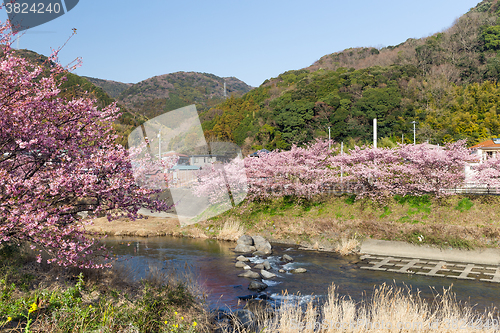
[414,122]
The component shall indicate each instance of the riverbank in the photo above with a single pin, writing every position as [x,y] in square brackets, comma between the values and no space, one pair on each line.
[456,222]
[40,297]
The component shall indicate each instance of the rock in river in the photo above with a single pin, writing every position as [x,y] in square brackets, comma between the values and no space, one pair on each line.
[244,248]
[244,318]
[250,274]
[287,258]
[257,285]
[298,270]
[262,245]
[245,240]
[267,275]
[242,258]
[240,264]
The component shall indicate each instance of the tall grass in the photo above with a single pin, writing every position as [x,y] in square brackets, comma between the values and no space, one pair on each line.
[231,231]
[347,246]
[390,309]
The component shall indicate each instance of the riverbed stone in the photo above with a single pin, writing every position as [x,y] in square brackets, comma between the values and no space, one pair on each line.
[267,265]
[250,274]
[257,285]
[262,245]
[298,270]
[261,308]
[244,248]
[240,264]
[259,266]
[245,240]
[282,271]
[244,318]
[267,275]
[242,258]
[259,254]
[246,267]
[287,258]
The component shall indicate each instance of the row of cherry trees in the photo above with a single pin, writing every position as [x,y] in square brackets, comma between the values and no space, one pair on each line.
[378,173]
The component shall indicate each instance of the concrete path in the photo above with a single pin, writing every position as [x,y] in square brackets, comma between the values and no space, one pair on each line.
[401,257]
[403,249]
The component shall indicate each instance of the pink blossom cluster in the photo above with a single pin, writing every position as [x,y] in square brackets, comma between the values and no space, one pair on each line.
[300,171]
[58,158]
[487,173]
[405,170]
[368,172]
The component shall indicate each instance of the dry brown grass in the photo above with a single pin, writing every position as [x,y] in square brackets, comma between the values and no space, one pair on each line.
[347,246]
[231,231]
[391,309]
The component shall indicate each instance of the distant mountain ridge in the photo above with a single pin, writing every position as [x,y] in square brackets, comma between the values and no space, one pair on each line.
[162,93]
[167,92]
[112,88]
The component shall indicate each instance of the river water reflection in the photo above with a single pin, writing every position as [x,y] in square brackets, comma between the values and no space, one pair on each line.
[212,264]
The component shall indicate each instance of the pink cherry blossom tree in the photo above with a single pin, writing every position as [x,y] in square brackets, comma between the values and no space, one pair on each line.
[487,173]
[299,172]
[58,158]
[405,170]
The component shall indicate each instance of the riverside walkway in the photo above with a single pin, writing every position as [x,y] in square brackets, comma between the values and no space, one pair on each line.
[400,257]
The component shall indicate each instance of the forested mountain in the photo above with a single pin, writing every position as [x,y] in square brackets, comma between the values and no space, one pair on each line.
[447,82]
[163,93]
[112,88]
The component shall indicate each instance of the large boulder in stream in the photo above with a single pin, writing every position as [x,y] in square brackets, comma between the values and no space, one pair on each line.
[245,240]
[262,245]
[244,248]
[257,285]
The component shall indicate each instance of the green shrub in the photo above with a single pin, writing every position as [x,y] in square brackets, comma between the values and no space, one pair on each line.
[464,204]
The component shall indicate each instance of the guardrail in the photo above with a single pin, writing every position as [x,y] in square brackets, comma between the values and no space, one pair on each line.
[479,189]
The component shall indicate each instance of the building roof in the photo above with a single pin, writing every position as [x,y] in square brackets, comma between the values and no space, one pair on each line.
[258,152]
[185,167]
[208,155]
[173,153]
[491,144]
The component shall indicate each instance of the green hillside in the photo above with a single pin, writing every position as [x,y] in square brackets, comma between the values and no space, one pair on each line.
[112,88]
[447,82]
[163,93]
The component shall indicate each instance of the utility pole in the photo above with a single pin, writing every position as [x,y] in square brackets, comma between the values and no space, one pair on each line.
[329,144]
[159,145]
[414,138]
[341,169]
[374,132]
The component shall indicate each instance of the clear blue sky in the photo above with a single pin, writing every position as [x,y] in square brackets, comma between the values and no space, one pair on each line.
[253,40]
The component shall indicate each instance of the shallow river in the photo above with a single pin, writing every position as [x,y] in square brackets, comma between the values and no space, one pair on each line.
[211,263]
